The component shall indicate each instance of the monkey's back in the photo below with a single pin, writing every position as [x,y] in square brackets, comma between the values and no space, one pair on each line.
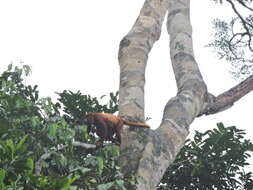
[112,118]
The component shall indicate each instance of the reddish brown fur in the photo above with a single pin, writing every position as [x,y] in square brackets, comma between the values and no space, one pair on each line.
[108,124]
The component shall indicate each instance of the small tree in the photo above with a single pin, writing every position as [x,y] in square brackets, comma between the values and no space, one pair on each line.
[212,160]
[41,149]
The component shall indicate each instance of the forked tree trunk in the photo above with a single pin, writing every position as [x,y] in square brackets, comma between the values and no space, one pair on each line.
[147,153]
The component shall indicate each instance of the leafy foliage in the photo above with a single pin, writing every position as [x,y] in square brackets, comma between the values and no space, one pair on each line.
[212,160]
[44,145]
[232,39]
[40,149]
[233,48]
[77,105]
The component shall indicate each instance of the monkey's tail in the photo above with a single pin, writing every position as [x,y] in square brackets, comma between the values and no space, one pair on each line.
[138,124]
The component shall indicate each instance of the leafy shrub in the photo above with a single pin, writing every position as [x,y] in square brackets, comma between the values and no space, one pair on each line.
[40,148]
[212,160]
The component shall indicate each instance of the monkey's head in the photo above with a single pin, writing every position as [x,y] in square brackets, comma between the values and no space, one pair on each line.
[89,121]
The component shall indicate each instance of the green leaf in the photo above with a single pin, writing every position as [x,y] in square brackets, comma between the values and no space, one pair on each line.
[84,170]
[67,182]
[73,188]
[105,186]
[4,126]
[10,147]
[27,69]
[84,132]
[92,180]
[53,129]
[100,163]
[2,176]
[115,150]
[20,146]
[220,126]
[61,160]
[120,184]
[9,67]
[29,165]
[35,121]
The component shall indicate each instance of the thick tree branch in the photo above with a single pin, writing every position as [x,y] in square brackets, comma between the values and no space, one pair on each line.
[149,153]
[133,55]
[228,98]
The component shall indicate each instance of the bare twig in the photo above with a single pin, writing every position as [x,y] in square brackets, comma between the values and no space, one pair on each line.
[83,145]
[244,22]
[244,5]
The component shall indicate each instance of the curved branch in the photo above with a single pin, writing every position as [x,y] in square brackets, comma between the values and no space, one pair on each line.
[83,145]
[244,23]
[241,35]
[147,153]
[233,45]
[133,55]
[244,5]
[151,152]
[228,98]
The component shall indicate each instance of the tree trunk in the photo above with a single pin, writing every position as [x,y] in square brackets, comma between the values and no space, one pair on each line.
[147,153]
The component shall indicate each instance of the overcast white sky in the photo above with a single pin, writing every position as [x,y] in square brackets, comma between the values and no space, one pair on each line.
[73,45]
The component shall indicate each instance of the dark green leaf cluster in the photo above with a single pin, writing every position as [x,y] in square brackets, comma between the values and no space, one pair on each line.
[76,105]
[42,144]
[212,160]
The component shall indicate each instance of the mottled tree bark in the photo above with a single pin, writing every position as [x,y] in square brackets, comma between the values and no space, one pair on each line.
[227,99]
[133,56]
[147,153]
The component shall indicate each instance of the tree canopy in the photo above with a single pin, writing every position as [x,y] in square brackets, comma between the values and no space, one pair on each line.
[44,145]
[215,159]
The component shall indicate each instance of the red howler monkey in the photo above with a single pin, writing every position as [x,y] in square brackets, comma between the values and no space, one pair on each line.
[108,124]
